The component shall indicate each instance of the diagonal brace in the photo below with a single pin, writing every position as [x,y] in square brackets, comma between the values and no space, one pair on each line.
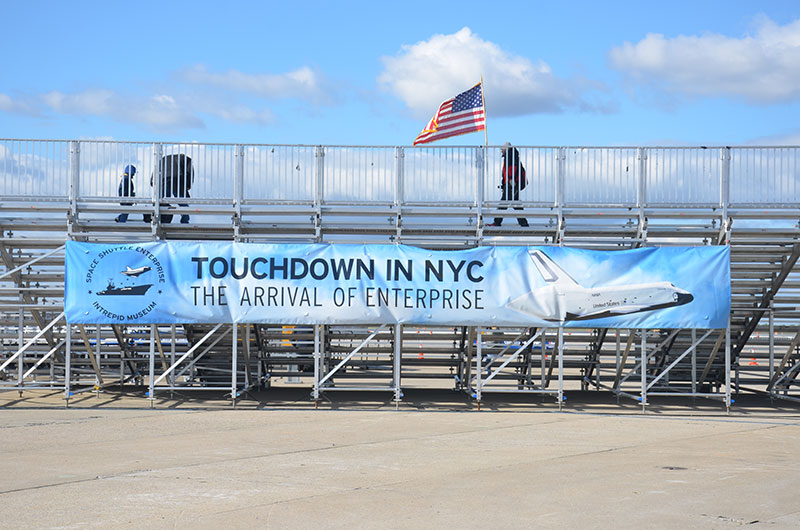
[512,357]
[764,305]
[31,341]
[350,355]
[680,357]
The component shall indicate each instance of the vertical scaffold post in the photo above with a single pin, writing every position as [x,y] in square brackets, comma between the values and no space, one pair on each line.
[20,343]
[641,183]
[644,370]
[238,189]
[74,180]
[725,181]
[561,172]
[234,374]
[317,361]
[728,367]
[248,379]
[158,152]
[172,355]
[694,363]
[398,352]
[319,190]
[98,356]
[771,341]
[481,166]
[542,380]
[399,190]
[641,192]
[479,357]
[399,170]
[152,389]
[67,366]
[560,367]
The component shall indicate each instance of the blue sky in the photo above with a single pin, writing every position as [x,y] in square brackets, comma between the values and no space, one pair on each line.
[373,73]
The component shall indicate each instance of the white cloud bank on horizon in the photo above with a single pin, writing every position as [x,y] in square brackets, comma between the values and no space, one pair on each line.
[160,112]
[184,109]
[424,74]
[791,139]
[760,69]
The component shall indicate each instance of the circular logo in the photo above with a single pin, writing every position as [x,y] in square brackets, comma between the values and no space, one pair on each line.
[125,283]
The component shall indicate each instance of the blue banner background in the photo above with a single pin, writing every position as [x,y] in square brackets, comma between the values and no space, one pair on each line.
[206,282]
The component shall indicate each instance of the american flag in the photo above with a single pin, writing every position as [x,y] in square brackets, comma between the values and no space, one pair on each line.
[459,115]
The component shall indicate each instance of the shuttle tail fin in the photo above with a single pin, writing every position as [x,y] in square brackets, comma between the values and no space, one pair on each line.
[550,271]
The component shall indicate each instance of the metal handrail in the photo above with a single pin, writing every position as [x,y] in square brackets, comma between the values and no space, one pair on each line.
[578,176]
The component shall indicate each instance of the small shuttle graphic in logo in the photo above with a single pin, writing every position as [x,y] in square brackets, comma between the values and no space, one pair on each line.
[133,273]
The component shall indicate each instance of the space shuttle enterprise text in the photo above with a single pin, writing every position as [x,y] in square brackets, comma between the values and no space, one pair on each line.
[208,282]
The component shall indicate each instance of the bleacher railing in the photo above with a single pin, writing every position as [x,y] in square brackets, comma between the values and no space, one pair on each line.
[56,170]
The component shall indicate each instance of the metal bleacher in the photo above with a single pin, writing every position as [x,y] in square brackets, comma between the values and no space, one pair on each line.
[607,198]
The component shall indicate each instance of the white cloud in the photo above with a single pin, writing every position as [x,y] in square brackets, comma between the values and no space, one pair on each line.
[789,139]
[160,112]
[163,112]
[240,114]
[303,83]
[762,69]
[428,72]
[96,102]
[8,104]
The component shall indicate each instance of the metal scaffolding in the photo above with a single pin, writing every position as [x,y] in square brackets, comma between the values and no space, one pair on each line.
[434,197]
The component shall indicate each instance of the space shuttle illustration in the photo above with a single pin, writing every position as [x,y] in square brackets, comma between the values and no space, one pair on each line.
[129,290]
[563,299]
[133,273]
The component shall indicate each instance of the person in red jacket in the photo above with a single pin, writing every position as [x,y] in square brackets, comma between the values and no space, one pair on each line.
[513,175]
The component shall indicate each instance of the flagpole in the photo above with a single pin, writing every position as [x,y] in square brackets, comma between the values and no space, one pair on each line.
[486,146]
[483,102]
[485,158]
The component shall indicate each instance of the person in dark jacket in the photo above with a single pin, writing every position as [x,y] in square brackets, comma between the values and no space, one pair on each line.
[177,177]
[125,189]
[513,180]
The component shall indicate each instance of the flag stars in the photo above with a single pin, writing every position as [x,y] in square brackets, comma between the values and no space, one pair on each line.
[468,100]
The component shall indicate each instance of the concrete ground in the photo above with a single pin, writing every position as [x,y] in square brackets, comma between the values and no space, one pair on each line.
[357,462]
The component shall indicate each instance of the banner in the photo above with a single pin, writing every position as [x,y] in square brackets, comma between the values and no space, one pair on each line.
[211,282]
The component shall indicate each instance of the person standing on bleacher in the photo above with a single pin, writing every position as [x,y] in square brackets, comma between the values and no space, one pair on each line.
[513,181]
[177,177]
[125,189]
